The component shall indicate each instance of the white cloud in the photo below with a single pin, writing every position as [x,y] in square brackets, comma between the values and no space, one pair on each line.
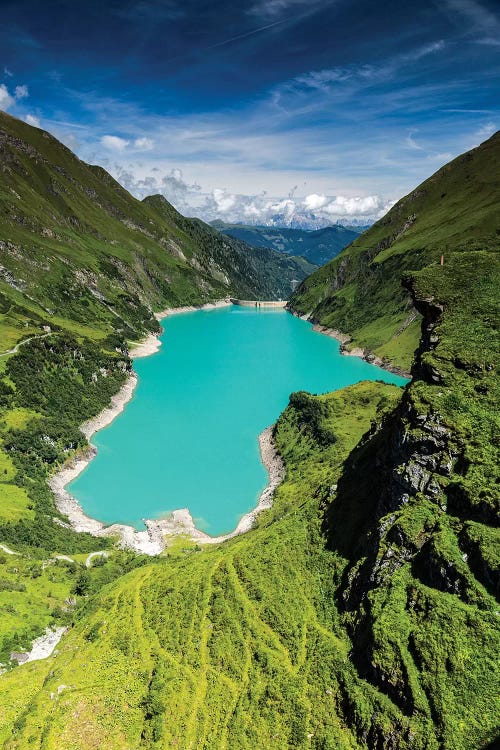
[411,142]
[340,205]
[32,120]
[6,100]
[329,117]
[313,211]
[8,72]
[314,201]
[171,184]
[486,130]
[21,92]
[144,144]
[177,190]
[323,79]
[357,76]
[114,142]
[224,201]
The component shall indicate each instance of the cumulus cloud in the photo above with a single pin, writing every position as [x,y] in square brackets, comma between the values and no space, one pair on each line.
[315,210]
[114,142]
[177,190]
[8,72]
[21,92]
[314,201]
[369,205]
[223,201]
[144,144]
[32,120]
[171,184]
[6,100]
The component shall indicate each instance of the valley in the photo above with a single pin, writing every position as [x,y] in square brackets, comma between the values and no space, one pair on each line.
[360,610]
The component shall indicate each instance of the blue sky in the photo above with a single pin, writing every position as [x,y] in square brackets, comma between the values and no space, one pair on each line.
[307,111]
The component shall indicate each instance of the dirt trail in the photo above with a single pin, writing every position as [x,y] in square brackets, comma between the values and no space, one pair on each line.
[15,349]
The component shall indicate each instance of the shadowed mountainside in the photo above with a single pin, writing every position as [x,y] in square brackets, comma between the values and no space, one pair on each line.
[317,246]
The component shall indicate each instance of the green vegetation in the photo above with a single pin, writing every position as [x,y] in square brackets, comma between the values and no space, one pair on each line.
[82,266]
[261,642]
[359,292]
[50,386]
[80,253]
[38,592]
[238,646]
[361,610]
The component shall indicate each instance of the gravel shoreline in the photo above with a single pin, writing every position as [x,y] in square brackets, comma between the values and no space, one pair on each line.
[180,522]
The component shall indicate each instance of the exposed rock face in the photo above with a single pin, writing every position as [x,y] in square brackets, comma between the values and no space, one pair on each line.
[411,519]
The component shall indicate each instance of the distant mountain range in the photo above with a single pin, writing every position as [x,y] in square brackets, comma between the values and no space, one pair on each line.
[317,246]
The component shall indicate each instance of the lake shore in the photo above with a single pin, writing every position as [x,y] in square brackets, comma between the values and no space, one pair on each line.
[180,522]
[152,343]
[355,351]
[154,540]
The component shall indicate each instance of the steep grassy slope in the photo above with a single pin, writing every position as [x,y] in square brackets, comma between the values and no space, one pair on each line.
[317,246]
[78,251]
[360,291]
[237,647]
[278,273]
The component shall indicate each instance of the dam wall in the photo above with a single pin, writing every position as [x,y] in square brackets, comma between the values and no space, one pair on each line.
[259,303]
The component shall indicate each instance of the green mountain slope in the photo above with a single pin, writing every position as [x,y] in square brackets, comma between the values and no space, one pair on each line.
[360,614]
[360,292]
[278,273]
[78,251]
[318,246]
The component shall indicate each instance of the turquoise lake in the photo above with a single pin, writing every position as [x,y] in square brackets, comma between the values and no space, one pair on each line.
[189,436]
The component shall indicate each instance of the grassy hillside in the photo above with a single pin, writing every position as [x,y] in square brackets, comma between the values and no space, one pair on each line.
[236,647]
[318,246]
[362,611]
[278,272]
[79,252]
[360,291]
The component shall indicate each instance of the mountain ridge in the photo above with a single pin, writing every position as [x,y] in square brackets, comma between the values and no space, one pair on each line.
[317,245]
[70,227]
[359,292]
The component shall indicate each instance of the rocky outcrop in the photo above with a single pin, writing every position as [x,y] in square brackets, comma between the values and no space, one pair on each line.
[402,516]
